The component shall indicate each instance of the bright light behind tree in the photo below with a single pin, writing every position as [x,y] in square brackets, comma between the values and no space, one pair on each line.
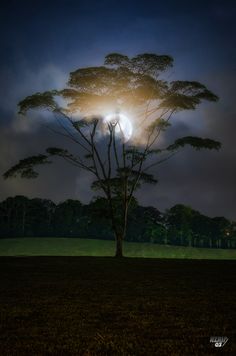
[123,125]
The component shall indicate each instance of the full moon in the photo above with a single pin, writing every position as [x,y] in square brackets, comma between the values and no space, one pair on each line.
[123,128]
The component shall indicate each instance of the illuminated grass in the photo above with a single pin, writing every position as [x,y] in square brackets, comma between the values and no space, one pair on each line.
[89,247]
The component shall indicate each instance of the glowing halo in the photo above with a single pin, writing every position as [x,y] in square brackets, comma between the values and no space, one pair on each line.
[123,127]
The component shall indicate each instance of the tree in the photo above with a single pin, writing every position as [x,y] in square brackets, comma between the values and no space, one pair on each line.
[67,218]
[39,217]
[20,216]
[220,227]
[180,221]
[14,216]
[119,159]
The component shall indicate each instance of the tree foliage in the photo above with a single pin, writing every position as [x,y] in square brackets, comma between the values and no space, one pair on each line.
[25,167]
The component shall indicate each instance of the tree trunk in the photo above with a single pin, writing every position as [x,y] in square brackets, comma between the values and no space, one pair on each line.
[23,221]
[189,241]
[119,246]
[165,238]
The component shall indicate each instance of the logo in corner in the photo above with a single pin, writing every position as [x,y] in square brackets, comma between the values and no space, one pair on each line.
[218,341]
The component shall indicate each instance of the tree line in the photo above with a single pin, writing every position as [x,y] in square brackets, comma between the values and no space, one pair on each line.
[180,225]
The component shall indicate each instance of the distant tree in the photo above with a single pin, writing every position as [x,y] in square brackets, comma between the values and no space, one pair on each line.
[68,218]
[14,216]
[156,233]
[211,232]
[143,224]
[179,219]
[120,162]
[220,227]
[40,214]
[200,228]
[231,235]
[20,216]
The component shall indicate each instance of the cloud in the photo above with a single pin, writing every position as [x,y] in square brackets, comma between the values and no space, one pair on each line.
[40,52]
[205,180]
[25,81]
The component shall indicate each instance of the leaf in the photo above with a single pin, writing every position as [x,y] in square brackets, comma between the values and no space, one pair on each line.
[68,93]
[54,151]
[154,151]
[38,100]
[134,151]
[80,123]
[207,95]
[116,59]
[178,101]
[187,87]
[88,155]
[159,124]
[60,152]
[25,167]
[194,89]
[195,142]
[150,63]
[91,78]
[185,95]
[145,177]
[124,171]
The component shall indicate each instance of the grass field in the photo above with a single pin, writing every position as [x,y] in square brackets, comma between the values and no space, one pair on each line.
[89,247]
[103,306]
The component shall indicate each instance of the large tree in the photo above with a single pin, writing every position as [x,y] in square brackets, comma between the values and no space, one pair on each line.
[119,152]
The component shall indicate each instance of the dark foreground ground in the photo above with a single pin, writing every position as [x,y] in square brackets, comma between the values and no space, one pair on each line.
[103,306]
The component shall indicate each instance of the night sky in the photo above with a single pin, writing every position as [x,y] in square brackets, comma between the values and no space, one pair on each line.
[42,41]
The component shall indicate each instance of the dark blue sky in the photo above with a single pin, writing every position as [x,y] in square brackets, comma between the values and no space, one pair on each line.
[42,41]
[71,33]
